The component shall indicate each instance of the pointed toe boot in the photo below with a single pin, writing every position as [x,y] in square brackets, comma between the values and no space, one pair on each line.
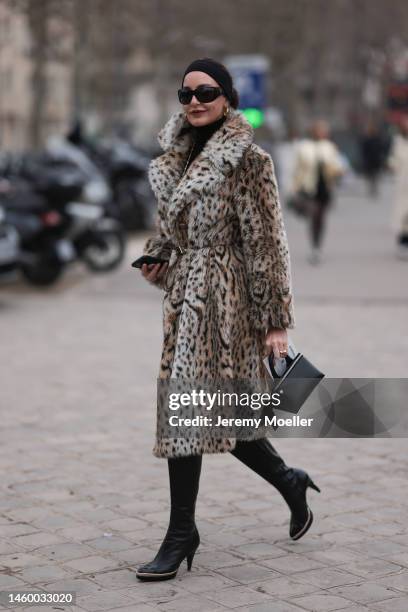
[182,538]
[292,483]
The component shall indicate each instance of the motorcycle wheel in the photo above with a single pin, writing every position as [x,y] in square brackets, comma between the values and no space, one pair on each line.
[43,273]
[108,257]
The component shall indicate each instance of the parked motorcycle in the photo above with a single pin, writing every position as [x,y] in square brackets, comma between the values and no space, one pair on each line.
[95,227]
[9,244]
[61,211]
[125,167]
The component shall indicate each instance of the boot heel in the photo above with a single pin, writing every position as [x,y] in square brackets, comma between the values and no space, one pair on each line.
[190,558]
[312,485]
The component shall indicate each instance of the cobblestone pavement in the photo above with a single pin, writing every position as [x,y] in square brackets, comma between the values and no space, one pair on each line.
[83,501]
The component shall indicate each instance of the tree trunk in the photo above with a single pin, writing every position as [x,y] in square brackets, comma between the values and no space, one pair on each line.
[37,15]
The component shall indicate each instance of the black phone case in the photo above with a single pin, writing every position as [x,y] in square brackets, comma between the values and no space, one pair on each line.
[147,259]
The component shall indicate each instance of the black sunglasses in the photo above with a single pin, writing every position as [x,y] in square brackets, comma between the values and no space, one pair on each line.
[203,93]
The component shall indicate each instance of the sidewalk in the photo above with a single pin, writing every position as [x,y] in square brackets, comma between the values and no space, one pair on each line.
[83,501]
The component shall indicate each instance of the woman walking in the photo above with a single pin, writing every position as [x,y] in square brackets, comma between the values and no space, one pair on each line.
[227,289]
[317,166]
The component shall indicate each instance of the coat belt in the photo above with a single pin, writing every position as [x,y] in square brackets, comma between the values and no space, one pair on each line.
[182,250]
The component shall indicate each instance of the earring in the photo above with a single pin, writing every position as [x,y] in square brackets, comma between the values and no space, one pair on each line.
[226,111]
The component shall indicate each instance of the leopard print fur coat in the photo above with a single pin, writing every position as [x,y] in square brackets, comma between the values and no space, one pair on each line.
[220,225]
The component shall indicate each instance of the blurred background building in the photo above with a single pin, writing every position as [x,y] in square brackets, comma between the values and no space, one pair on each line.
[117,65]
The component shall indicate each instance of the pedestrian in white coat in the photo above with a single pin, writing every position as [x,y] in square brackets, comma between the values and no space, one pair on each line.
[318,164]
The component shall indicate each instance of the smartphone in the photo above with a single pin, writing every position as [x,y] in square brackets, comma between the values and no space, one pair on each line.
[148,259]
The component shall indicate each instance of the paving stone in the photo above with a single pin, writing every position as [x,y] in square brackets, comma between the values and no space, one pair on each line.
[207,582]
[354,519]
[55,522]
[19,560]
[7,547]
[134,556]
[384,529]
[91,564]
[141,607]
[255,505]
[232,521]
[372,568]
[166,590]
[36,540]
[43,573]
[399,559]
[80,586]
[207,526]
[92,515]
[321,602]
[312,543]
[379,547]
[188,603]
[397,604]
[151,536]
[402,539]
[337,556]
[271,606]
[125,524]
[116,578]
[284,587]
[357,608]
[354,538]
[65,552]
[215,559]
[109,543]
[225,540]
[81,534]
[7,581]
[233,597]
[258,550]
[35,608]
[271,533]
[364,593]
[397,581]
[290,564]
[326,578]
[108,600]
[247,572]
[15,529]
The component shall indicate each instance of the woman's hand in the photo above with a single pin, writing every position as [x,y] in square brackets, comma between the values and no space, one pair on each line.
[276,342]
[154,272]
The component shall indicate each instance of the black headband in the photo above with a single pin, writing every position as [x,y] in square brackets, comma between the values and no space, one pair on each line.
[217,72]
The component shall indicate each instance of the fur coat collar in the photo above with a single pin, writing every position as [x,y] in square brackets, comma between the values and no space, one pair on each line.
[207,173]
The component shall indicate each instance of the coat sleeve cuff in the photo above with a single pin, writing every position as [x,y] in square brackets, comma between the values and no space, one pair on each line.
[157,247]
[271,308]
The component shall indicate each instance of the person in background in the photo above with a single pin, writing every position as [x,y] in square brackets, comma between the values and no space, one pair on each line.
[373,156]
[398,163]
[318,164]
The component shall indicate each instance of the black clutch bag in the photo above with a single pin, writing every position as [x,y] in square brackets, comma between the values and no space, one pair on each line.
[295,381]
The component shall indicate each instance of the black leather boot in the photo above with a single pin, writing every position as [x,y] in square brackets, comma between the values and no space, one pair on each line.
[182,539]
[292,483]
